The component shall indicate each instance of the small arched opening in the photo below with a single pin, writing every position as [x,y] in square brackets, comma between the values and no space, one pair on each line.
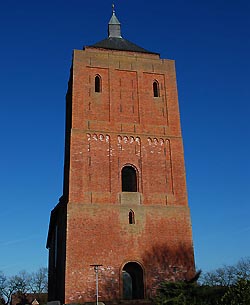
[156,90]
[131,217]
[129,179]
[133,283]
[98,84]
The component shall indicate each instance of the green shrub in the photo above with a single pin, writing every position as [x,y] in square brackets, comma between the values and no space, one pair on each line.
[238,294]
[183,293]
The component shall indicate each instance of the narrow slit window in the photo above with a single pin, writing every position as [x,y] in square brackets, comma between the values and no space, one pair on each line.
[156,90]
[131,217]
[98,83]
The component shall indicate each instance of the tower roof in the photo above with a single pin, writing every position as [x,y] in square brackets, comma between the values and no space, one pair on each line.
[115,41]
[114,29]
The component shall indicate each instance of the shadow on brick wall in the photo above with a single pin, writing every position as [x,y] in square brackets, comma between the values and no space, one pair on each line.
[165,263]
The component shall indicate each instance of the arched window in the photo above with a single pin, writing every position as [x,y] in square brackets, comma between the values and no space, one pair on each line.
[156,90]
[98,83]
[129,179]
[131,217]
[133,281]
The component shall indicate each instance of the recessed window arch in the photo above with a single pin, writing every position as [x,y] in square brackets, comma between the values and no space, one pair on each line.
[156,89]
[129,179]
[131,217]
[98,83]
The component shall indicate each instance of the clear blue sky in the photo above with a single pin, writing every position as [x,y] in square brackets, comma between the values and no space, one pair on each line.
[210,41]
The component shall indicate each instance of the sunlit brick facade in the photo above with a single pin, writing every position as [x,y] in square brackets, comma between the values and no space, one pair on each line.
[124,204]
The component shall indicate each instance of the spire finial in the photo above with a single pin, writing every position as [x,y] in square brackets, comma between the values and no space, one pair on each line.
[114,25]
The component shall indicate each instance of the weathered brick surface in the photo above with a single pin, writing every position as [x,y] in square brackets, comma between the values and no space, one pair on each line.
[124,125]
[101,234]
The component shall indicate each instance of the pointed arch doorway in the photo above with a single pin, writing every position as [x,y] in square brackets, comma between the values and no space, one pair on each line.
[133,282]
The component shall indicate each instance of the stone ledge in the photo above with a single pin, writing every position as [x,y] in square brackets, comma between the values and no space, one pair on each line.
[130,198]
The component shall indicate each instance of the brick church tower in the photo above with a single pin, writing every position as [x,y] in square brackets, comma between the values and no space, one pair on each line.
[124,203]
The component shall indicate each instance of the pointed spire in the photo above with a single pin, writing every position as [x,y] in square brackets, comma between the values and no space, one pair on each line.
[114,29]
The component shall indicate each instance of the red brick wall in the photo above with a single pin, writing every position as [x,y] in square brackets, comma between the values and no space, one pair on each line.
[125,124]
[98,234]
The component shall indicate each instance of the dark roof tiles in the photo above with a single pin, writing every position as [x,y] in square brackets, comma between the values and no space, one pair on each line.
[121,44]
